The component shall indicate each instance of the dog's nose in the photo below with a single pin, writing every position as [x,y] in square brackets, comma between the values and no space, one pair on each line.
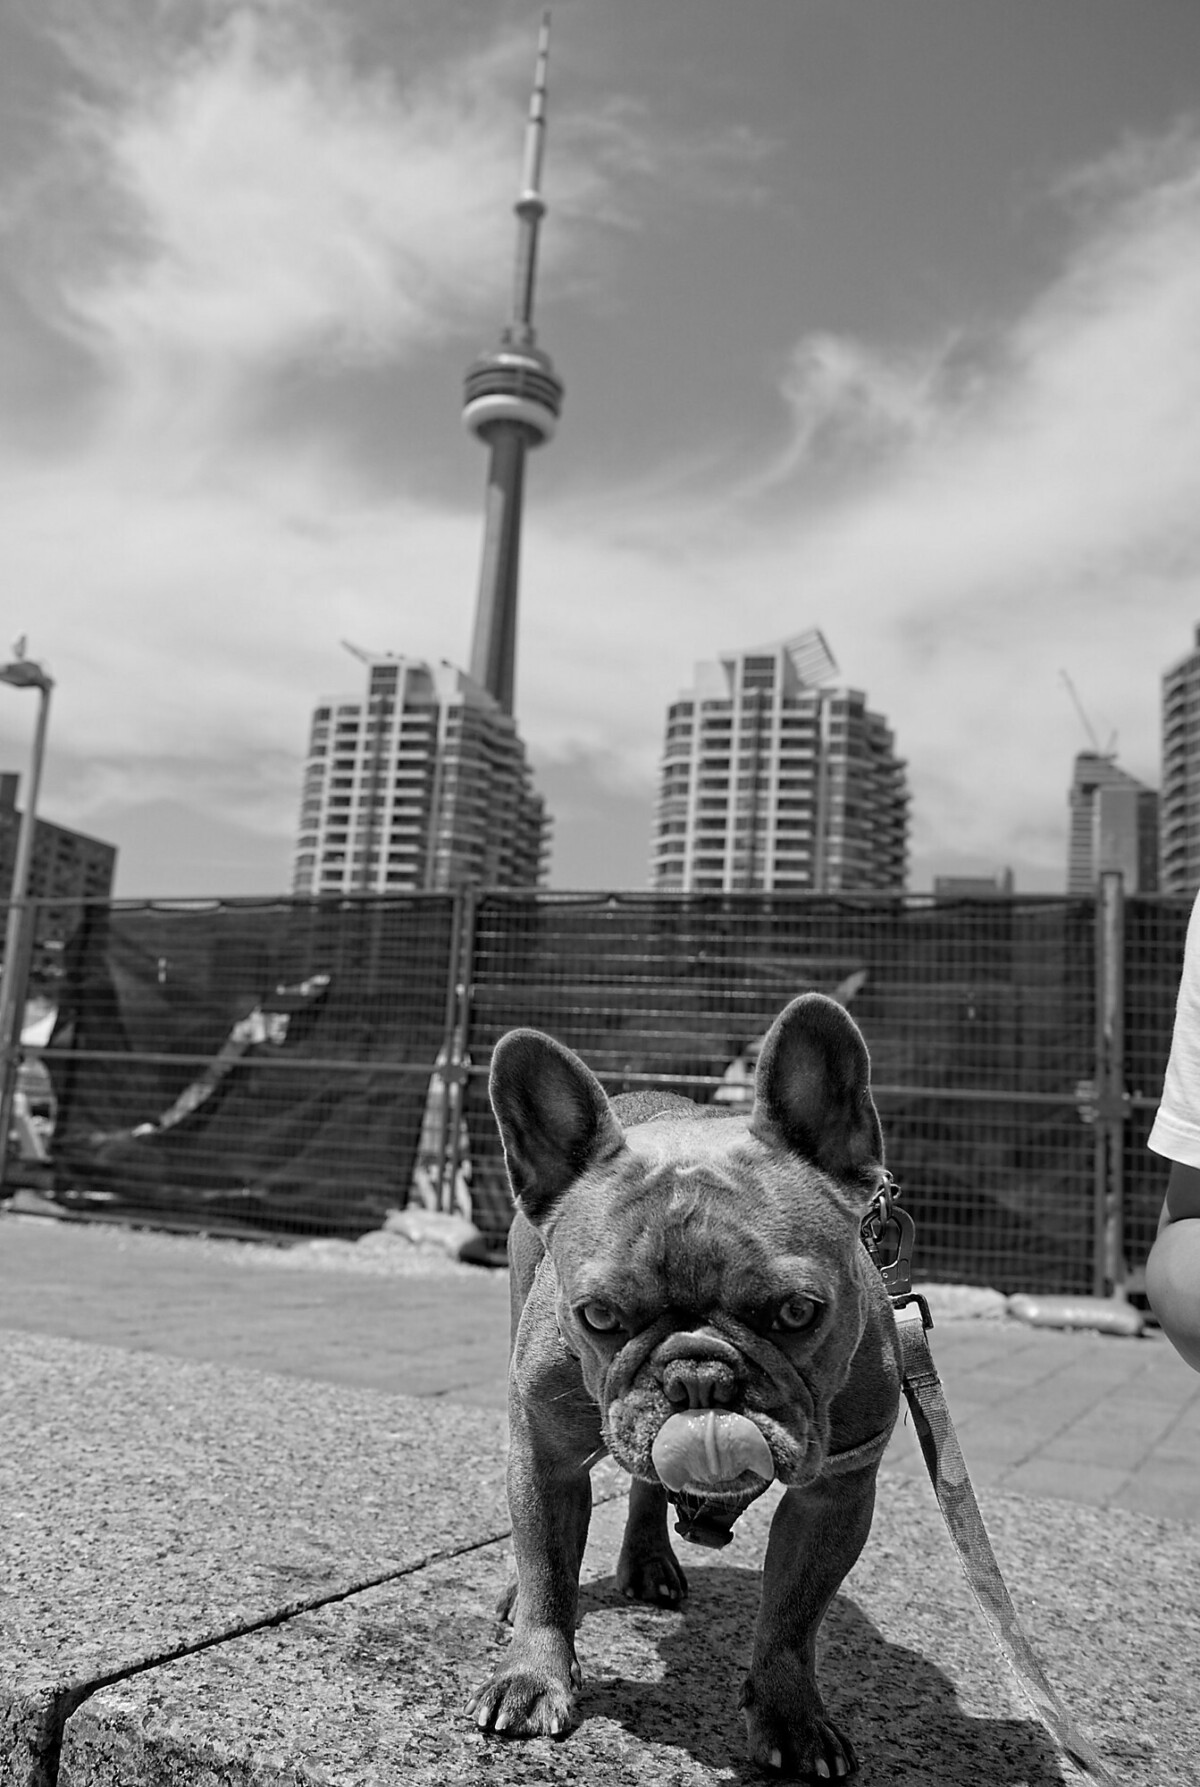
[698,1383]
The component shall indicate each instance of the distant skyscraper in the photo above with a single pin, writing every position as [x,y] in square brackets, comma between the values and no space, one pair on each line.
[774,778]
[974,887]
[513,397]
[65,868]
[1114,825]
[1180,812]
[421,783]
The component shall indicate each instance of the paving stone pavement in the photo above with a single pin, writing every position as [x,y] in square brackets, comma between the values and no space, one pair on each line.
[1085,1417]
[235,1560]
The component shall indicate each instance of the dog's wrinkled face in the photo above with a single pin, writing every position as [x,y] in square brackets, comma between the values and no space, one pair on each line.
[709,1276]
[702,1271]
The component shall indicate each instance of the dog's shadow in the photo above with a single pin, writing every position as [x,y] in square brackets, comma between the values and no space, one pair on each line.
[899,1710]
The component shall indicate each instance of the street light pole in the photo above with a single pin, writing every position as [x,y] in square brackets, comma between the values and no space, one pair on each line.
[18,939]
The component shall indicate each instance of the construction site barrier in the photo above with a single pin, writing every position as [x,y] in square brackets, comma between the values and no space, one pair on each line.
[307,1066]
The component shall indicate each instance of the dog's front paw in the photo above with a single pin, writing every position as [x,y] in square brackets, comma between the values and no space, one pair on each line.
[531,1694]
[523,1704]
[651,1575]
[793,1742]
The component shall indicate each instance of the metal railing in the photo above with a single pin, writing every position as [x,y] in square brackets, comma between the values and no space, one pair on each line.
[308,1065]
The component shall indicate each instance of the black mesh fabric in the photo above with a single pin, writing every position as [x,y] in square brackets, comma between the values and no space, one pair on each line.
[266,1062]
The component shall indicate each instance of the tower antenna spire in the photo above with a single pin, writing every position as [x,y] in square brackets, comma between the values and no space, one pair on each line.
[512,400]
[531,206]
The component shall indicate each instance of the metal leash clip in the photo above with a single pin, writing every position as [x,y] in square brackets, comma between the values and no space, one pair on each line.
[888,1233]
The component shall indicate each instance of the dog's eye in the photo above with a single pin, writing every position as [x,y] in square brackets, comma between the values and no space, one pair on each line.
[798,1312]
[600,1316]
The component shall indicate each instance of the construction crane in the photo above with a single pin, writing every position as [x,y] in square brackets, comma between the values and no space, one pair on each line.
[1110,749]
[364,657]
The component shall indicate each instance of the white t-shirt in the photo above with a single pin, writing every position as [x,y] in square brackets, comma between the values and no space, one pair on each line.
[1176,1129]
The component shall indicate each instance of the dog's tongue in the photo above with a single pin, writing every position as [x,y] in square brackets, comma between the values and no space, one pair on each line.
[709,1446]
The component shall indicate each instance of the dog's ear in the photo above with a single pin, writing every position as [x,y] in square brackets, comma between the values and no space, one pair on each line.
[554,1118]
[812,1090]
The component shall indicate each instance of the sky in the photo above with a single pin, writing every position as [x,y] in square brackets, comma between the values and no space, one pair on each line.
[877,316]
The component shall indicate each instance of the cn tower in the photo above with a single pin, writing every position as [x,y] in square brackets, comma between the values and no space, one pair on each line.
[512,399]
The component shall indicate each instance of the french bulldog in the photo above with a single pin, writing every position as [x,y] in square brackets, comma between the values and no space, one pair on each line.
[691,1294]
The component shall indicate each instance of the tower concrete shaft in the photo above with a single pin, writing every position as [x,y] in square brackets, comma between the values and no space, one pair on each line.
[512,401]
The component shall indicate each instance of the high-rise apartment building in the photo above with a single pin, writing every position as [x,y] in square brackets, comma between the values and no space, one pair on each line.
[1179,848]
[774,777]
[1114,825]
[421,783]
[65,867]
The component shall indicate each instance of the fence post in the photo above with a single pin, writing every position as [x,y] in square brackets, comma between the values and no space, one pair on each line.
[462,969]
[445,1055]
[1112,1099]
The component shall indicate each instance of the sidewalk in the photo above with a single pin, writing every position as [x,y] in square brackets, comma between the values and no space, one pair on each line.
[255,1524]
[1090,1418]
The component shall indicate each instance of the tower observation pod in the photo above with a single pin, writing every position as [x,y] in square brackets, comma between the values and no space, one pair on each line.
[512,400]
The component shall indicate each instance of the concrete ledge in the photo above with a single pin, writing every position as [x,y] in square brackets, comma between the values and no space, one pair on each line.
[216,1576]
[370,1690]
[151,1505]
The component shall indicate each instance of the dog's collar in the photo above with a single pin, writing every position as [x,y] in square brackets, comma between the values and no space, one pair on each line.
[853,1457]
[711,1523]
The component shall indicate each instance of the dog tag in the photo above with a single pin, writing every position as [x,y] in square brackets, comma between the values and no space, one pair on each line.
[713,1531]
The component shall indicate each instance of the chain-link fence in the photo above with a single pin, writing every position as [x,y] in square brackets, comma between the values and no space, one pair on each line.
[307,1065]
[1153,937]
[979,1017]
[264,1062]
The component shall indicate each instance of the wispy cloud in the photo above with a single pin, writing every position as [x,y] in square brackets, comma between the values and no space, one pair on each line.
[961,519]
[1069,464]
[246,194]
[1030,507]
[998,507]
[255,200]
[228,194]
[849,406]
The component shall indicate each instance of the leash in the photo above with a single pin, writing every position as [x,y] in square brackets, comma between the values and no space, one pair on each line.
[888,1233]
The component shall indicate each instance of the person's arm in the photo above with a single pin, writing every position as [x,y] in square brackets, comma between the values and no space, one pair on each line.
[1173,1269]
